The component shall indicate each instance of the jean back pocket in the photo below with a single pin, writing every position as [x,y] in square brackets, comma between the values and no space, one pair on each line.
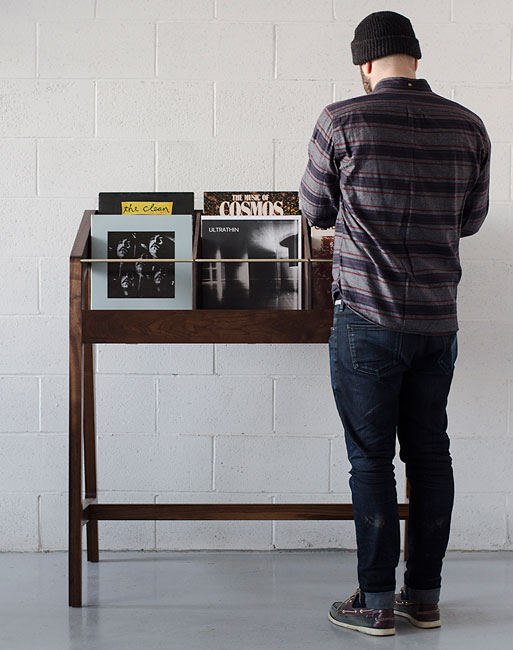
[374,349]
[449,354]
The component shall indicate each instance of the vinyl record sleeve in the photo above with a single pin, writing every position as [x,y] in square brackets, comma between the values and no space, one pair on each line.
[251,204]
[150,285]
[322,240]
[251,285]
[111,202]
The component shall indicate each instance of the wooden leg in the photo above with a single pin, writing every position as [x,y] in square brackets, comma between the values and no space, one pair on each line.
[90,448]
[75,438]
[75,477]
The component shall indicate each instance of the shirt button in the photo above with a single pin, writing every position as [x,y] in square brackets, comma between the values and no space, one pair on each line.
[409,84]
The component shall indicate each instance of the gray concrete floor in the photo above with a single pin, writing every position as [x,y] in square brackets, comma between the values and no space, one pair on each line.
[230,600]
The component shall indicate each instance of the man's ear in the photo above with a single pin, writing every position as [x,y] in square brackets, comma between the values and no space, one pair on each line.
[416,64]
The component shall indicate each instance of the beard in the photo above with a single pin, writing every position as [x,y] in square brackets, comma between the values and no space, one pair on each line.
[365,81]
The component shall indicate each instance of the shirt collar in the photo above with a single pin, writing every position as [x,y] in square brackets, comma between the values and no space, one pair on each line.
[400,83]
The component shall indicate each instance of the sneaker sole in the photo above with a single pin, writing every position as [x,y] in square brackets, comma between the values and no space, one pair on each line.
[366,630]
[416,622]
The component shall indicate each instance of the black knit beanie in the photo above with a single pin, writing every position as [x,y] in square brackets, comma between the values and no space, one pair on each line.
[382,33]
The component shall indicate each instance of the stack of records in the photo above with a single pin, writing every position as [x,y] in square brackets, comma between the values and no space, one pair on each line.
[322,249]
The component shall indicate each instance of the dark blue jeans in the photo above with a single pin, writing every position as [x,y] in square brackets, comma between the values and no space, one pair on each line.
[388,382]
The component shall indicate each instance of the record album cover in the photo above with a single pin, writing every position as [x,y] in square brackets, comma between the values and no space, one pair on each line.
[152,282]
[322,248]
[251,204]
[146,203]
[250,285]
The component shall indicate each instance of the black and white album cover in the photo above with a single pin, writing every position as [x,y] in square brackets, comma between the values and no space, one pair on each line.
[250,285]
[153,284]
[152,279]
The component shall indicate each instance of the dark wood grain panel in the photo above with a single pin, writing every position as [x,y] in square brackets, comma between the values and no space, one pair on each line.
[225,511]
[207,326]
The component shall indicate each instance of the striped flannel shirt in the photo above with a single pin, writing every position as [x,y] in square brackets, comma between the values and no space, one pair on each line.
[402,173]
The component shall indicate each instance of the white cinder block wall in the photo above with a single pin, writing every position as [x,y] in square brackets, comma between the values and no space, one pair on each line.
[217,95]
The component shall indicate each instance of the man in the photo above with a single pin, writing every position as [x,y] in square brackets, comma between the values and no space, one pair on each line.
[402,173]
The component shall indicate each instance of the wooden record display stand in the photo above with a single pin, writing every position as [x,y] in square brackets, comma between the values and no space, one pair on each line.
[87,327]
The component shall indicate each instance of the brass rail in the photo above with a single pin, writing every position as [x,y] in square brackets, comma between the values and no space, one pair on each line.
[216,259]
